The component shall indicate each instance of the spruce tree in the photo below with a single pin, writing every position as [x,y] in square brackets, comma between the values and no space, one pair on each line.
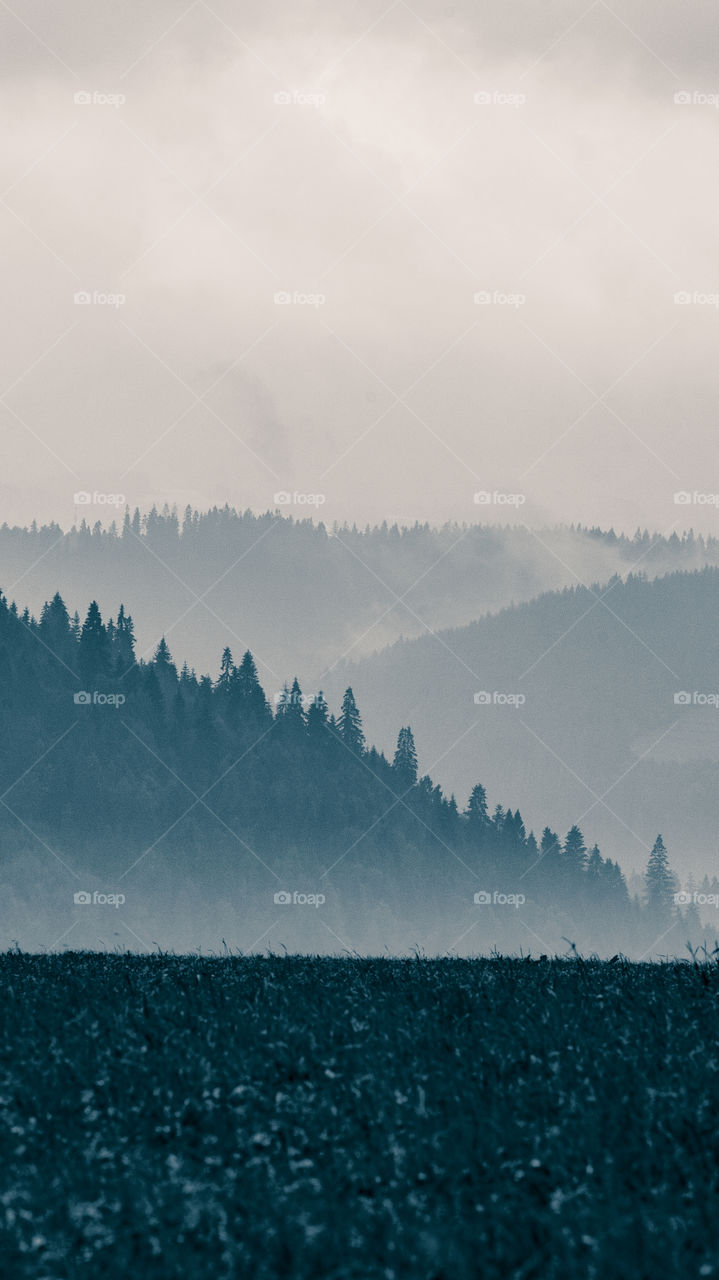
[225,679]
[350,724]
[252,700]
[124,651]
[575,851]
[477,811]
[660,884]
[94,651]
[317,718]
[405,758]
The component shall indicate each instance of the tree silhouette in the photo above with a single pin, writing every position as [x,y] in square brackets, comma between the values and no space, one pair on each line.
[477,811]
[94,650]
[350,724]
[405,758]
[660,884]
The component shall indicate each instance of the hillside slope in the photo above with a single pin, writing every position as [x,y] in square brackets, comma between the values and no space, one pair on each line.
[301,597]
[596,672]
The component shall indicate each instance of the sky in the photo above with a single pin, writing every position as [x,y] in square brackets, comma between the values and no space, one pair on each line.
[409,261]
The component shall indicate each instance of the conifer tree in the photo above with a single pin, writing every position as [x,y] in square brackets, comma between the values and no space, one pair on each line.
[225,679]
[251,695]
[575,852]
[350,724]
[317,718]
[124,642]
[94,651]
[477,811]
[660,884]
[405,758]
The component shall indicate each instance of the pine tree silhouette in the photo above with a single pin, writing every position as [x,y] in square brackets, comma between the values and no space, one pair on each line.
[660,884]
[405,759]
[350,724]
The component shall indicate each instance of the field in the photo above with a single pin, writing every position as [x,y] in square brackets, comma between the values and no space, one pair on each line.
[292,1117]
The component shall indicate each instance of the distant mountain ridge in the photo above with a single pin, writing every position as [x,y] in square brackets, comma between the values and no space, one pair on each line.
[302,596]
[620,686]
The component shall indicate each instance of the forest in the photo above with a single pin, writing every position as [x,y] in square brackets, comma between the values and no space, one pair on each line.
[230,789]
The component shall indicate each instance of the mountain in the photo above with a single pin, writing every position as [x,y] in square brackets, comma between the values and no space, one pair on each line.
[140,804]
[302,597]
[612,717]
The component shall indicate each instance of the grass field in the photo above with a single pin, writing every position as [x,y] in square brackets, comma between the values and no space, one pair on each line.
[295,1117]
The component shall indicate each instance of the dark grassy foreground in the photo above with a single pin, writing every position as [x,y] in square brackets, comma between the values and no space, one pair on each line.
[185,1117]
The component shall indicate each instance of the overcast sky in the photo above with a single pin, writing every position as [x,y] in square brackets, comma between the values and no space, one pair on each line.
[531,154]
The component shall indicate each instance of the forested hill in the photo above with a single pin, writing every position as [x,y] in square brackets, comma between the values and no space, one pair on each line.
[201,799]
[302,596]
[618,718]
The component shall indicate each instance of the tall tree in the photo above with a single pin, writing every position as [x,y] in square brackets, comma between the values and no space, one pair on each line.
[291,710]
[124,649]
[575,853]
[251,695]
[477,811]
[317,718]
[405,758]
[94,650]
[660,884]
[350,724]
[225,679]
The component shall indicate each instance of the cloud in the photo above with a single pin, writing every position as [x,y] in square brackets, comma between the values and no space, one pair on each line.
[380,185]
